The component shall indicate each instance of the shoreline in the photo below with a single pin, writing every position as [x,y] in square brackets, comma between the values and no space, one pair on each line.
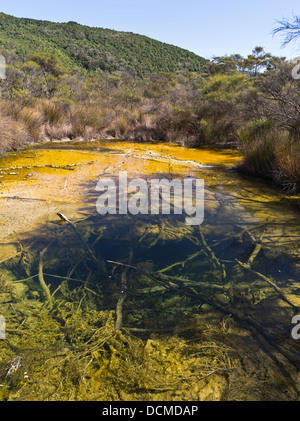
[240,168]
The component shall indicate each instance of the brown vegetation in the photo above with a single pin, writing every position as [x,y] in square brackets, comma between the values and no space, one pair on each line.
[12,132]
[232,103]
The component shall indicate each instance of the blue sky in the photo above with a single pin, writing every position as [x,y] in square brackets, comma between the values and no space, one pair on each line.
[208,28]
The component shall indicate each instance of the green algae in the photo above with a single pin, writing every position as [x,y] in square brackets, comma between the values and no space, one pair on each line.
[195,324]
[178,340]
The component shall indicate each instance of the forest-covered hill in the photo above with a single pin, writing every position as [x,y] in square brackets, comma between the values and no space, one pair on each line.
[68,81]
[94,48]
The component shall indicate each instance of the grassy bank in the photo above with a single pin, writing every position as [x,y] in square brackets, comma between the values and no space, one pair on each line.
[271,155]
[227,104]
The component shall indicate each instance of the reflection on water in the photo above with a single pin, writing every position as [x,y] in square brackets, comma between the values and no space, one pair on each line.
[146,307]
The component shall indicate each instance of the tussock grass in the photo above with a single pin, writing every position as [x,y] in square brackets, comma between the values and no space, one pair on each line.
[269,152]
[273,155]
[287,172]
[88,120]
[12,133]
[51,112]
[33,121]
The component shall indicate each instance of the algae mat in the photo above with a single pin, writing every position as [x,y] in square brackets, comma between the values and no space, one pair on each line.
[144,307]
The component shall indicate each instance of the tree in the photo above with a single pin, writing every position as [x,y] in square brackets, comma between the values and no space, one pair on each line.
[159,85]
[51,70]
[256,61]
[254,64]
[290,29]
[278,100]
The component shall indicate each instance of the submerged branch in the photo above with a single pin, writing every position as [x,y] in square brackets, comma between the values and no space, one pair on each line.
[11,257]
[14,255]
[182,264]
[268,280]
[212,255]
[257,249]
[98,262]
[123,296]
[41,278]
[159,236]
[247,266]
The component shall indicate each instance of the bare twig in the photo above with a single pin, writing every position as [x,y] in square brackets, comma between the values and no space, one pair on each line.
[212,255]
[98,262]
[41,278]
[182,264]
[268,280]
[215,371]
[119,308]
[256,251]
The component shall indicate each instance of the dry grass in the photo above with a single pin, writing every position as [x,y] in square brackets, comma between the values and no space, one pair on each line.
[268,152]
[88,120]
[51,112]
[287,173]
[259,155]
[33,120]
[274,155]
[12,133]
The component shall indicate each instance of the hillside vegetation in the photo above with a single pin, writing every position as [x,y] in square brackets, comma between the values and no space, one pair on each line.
[67,81]
[94,48]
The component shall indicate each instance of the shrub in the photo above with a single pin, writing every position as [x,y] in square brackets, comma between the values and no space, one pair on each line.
[287,171]
[88,120]
[273,155]
[51,112]
[33,121]
[12,133]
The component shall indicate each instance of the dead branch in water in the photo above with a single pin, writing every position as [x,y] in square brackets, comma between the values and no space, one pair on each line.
[268,280]
[242,320]
[212,255]
[80,260]
[41,278]
[123,296]
[247,266]
[98,262]
[18,253]
[11,257]
[183,263]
